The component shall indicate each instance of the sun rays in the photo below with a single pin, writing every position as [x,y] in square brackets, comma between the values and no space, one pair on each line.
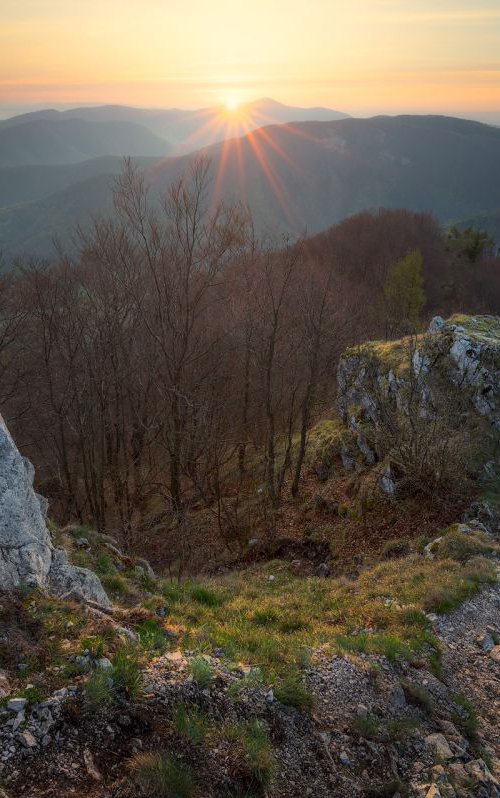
[250,147]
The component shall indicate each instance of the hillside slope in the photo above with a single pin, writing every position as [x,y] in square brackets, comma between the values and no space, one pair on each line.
[48,141]
[307,176]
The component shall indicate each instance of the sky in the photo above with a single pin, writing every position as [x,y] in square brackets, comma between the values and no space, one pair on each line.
[359,56]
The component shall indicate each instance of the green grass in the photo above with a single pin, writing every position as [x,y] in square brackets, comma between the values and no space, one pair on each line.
[366,726]
[34,695]
[292,692]
[126,673]
[95,645]
[202,672]
[124,678]
[460,546]
[465,715]
[151,635]
[251,741]
[401,728]
[419,696]
[99,691]
[269,623]
[160,775]
[190,723]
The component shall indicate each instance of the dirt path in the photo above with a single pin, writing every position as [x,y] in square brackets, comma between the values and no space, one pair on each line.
[469,668]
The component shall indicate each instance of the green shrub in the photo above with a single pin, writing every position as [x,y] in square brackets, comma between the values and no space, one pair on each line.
[202,672]
[114,584]
[34,695]
[104,565]
[160,775]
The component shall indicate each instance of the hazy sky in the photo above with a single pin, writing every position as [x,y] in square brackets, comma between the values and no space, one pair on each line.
[360,56]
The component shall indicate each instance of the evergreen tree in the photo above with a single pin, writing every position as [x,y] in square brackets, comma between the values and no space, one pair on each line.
[404,294]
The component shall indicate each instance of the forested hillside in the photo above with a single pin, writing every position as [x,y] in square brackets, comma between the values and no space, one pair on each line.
[302,178]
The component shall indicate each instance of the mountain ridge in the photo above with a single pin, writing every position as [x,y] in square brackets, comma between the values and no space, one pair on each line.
[307,176]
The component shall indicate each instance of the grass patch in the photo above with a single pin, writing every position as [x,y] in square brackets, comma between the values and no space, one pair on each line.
[401,728]
[160,775]
[206,596]
[191,724]
[124,678]
[202,672]
[95,645]
[252,747]
[292,692]
[461,546]
[266,623]
[418,696]
[465,715]
[366,726]
[151,635]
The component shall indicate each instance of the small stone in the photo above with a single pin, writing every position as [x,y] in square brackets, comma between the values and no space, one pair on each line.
[46,740]
[103,664]
[20,718]
[458,774]
[27,739]
[495,653]
[440,745]
[344,758]
[323,570]
[16,704]
[83,543]
[433,792]
[89,764]
[436,325]
[486,642]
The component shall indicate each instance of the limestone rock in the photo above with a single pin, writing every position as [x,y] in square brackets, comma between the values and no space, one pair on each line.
[439,744]
[27,554]
[459,357]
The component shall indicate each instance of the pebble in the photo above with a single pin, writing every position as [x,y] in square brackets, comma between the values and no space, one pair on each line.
[27,739]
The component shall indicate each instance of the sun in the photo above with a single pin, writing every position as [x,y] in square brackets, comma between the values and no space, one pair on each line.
[231,104]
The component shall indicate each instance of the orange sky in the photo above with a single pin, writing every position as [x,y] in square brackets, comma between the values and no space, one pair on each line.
[360,56]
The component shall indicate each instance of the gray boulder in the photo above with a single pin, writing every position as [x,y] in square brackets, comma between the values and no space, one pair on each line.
[27,554]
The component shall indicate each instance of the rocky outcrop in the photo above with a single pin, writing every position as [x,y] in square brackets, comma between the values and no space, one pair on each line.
[454,367]
[27,554]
